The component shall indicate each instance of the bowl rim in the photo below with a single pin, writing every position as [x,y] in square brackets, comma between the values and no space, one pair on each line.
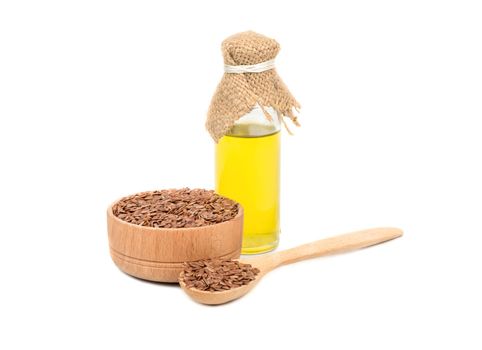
[110,213]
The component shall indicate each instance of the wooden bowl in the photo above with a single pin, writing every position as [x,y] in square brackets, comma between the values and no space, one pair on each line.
[157,254]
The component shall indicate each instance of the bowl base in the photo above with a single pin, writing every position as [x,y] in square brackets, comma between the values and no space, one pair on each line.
[154,270]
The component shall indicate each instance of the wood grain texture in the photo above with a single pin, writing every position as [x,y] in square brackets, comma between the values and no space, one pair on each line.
[157,254]
[268,262]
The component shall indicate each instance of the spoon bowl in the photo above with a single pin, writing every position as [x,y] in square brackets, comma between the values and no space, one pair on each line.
[225,296]
[218,297]
[266,263]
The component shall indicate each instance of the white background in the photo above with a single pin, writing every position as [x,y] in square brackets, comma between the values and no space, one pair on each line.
[100,99]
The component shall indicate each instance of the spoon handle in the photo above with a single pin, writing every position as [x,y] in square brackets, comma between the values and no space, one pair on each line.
[333,245]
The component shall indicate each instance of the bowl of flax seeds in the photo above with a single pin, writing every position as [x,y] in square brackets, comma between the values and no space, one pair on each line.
[152,234]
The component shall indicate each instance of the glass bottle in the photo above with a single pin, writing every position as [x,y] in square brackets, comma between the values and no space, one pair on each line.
[248,171]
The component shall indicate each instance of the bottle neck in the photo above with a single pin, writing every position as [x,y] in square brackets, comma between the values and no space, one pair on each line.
[256,123]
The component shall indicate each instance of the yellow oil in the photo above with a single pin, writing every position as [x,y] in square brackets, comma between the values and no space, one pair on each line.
[247,170]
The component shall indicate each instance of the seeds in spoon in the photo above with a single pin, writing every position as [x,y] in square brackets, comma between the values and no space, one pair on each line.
[215,275]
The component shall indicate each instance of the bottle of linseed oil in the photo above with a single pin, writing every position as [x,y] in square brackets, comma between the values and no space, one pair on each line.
[248,170]
[244,119]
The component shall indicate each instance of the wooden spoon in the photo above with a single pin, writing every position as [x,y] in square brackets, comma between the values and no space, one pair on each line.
[266,263]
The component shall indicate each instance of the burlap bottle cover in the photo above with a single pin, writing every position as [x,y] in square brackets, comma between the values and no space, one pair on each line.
[238,93]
